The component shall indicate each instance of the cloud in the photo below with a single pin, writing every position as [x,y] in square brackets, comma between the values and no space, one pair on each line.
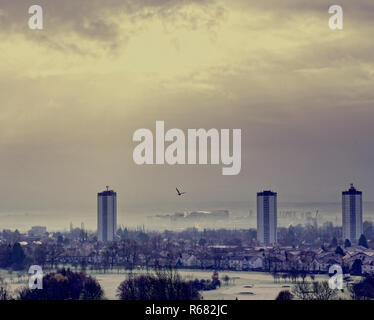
[73,94]
[111,24]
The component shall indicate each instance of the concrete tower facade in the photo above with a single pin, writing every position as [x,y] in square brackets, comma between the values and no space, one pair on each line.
[267,217]
[106,215]
[352,214]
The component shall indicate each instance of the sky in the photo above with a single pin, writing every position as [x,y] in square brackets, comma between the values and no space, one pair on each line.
[72,95]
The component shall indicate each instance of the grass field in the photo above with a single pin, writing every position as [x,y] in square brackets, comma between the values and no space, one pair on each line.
[242,285]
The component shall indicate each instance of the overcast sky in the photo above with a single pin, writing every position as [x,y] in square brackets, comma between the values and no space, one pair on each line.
[72,95]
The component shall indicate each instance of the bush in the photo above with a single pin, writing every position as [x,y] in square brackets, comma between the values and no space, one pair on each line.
[284,295]
[65,285]
[363,290]
[313,291]
[162,284]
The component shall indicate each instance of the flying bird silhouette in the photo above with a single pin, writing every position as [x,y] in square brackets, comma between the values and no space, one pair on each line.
[178,192]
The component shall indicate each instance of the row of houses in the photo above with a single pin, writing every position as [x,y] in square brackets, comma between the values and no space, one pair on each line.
[187,254]
[246,259]
[284,259]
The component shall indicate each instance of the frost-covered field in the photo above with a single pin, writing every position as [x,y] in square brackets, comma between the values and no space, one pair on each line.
[242,285]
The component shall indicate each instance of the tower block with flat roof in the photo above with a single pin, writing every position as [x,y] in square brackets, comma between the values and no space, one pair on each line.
[267,217]
[106,215]
[352,214]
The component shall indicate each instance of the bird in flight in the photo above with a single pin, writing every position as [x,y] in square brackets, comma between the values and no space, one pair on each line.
[178,192]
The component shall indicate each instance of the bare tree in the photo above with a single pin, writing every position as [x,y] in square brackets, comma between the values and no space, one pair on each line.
[313,291]
[4,294]
[302,291]
[322,291]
